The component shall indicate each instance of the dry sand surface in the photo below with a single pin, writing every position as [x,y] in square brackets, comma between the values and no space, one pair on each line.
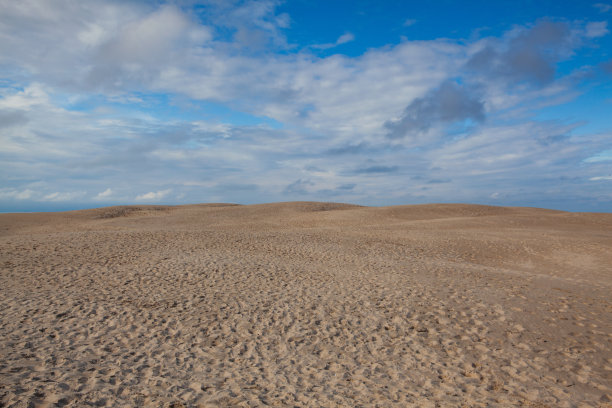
[306,305]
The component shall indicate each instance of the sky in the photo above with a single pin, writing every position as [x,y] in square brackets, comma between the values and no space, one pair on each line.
[366,102]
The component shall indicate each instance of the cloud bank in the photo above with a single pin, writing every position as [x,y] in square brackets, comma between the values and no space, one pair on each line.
[178,103]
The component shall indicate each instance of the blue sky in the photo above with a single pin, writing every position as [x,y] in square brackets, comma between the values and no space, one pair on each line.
[368,102]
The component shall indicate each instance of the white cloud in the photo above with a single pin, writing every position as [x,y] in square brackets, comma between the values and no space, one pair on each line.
[503,149]
[15,194]
[602,7]
[601,178]
[153,38]
[409,22]
[59,196]
[596,29]
[104,194]
[51,38]
[255,23]
[605,155]
[33,95]
[199,183]
[343,39]
[153,196]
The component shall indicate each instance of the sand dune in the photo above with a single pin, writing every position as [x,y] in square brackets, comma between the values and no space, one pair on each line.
[306,305]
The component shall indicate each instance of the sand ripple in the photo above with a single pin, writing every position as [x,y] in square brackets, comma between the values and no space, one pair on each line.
[307,305]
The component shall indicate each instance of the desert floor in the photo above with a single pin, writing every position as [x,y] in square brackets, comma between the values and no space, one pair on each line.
[306,305]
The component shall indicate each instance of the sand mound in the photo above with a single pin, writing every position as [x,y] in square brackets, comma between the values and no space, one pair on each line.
[306,304]
[126,211]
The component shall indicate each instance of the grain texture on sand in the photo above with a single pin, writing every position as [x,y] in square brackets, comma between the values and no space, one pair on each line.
[306,305]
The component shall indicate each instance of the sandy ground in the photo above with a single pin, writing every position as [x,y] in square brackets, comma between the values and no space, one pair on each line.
[306,305]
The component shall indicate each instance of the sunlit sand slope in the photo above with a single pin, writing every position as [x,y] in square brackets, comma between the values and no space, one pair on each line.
[306,305]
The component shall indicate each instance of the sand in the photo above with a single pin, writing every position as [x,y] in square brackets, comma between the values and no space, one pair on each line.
[306,305]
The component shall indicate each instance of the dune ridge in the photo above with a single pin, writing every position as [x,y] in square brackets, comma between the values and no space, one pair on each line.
[306,304]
